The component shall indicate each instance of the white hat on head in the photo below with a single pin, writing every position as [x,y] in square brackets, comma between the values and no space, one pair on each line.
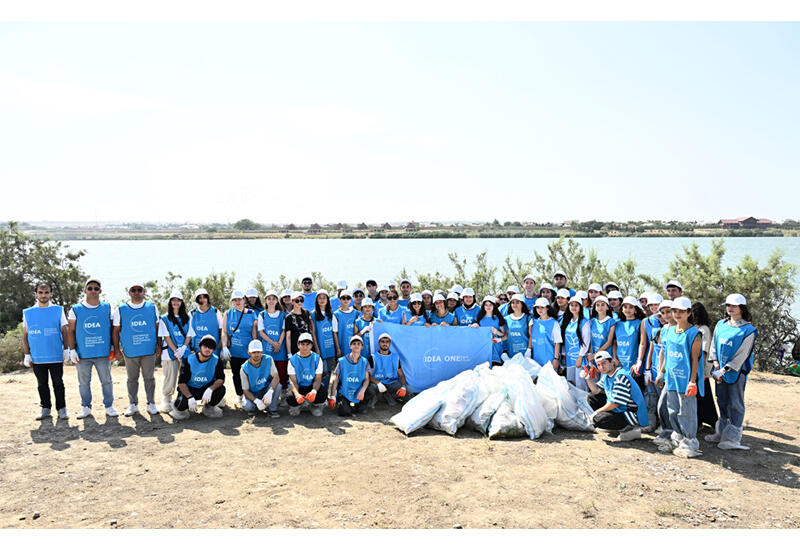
[237,294]
[665,304]
[437,297]
[367,302]
[305,337]
[391,283]
[452,296]
[404,280]
[295,295]
[255,345]
[345,292]
[608,284]
[600,298]
[207,338]
[468,292]
[286,292]
[654,298]
[559,272]
[735,300]
[93,280]
[518,297]
[323,291]
[582,294]
[174,294]
[458,289]
[541,302]
[615,294]
[134,284]
[341,284]
[673,282]
[385,335]
[356,338]
[596,287]
[546,285]
[426,292]
[562,293]
[630,300]
[200,292]
[601,355]
[644,295]
[529,276]
[383,288]
[489,298]
[513,288]
[271,292]
[251,293]
[576,299]
[361,290]
[682,302]
[415,297]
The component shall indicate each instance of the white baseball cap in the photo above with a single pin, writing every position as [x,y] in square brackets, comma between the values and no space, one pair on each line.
[468,292]
[458,289]
[295,295]
[415,297]
[307,278]
[562,293]
[305,337]
[385,335]
[200,292]
[383,288]
[601,298]
[529,276]
[665,304]
[452,296]
[174,294]
[645,295]
[345,292]
[596,287]
[673,282]
[735,300]
[437,297]
[356,338]
[615,294]
[601,355]
[255,345]
[608,284]
[405,281]
[271,292]
[518,297]
[391,283]
[323,291]
[546,285]
[630,300]
[541,302]
[559,272]
[682,302]
[93,280]
[513,288]
[251,293]
[654,298]
[426,292]
[582,294]
[207,338]
[489,298]
[135,284]
[577,299]
[367,302]
[286,292]
[237,294]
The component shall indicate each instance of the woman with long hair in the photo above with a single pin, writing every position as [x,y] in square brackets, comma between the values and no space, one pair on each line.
[706,409]
[323,334]
[272,330]
[440,315]
[629,340]
[546,337]
[519,329]
[174,329]
[416,311]
[576,331]
[489,316]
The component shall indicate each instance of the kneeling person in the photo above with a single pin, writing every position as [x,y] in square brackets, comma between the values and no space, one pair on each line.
[386,376]
[351,377]
[305,378]
[259,377]
[620,405]
[200,381]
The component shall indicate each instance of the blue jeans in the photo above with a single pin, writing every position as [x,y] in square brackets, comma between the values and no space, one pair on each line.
[103,367]
[680,421]
[249,406]
[730,398]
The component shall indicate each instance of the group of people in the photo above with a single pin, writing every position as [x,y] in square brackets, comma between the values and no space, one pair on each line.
[646,362]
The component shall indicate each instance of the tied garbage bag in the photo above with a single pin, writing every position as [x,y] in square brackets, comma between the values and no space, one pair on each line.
[556,392]
[505,423]
[549,399]
[466,393]
[419,410]
[524,400]
[482,415]
[530,366]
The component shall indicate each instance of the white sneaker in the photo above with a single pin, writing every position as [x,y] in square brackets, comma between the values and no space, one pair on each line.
[85,411]
[660,440]
[686,452]
[130,411]
[212,412]
[730,445]
[630,434]
[222,403]
[63,414]
[713,438]
[44,413]
[152,409]
[294,411]
[241,401]
[179,415]
[111,411]
[166,405]
[316,410]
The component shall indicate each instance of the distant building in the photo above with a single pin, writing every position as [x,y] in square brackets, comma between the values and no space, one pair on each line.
[412,227]
[746,223]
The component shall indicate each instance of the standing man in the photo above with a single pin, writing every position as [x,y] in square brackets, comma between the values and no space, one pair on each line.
[44,337]
[136,328]
[309,296]
[372,291]
[560,280]
[405,292]
[90,346]
[674,289]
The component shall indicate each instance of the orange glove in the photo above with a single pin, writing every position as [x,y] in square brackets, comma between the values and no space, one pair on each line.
[331,403]
[691,389]
[300,400]
[401,392]
[311,396]
[111,355]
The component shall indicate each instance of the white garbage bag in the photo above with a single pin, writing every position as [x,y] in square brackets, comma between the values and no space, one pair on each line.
[505,422]
[547,395]
[419,410]
[482,415]
[555,392]
[466,393]
[531,366]
[524,400]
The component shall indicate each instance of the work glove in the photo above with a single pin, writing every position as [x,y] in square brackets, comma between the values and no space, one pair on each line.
[401,392]
[495,340]
[268,396]
[300,399]
[66,355]
[73,356]
[260,404]
[225,354]
[193,404]
[660,380]
[206,397]
[381,387]
[331,402]
[528,353]
[28,360]
[717,374]
[180,352]
[365,330]
[691,389]
[111,354]
[311,396]
[648,377]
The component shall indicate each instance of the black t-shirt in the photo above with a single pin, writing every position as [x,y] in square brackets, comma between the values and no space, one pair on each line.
[186,372]
[296,325]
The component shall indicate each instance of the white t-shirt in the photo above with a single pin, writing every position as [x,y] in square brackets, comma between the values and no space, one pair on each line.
[63,317]
[290,368]
[274,315]
[163,332]
[557,339]
[72,317]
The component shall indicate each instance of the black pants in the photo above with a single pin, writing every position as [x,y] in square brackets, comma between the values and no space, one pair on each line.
[319,400]
[606,420]
[706,408]
[236,367]
[345,407]
[56,371]
[182,402]
[639,379]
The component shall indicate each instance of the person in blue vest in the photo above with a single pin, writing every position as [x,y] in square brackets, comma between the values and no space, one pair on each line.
[648,367]
[405,292]
[619,405]
[200,382]
[135,332]
[467,312]
[44,341]
[417,316]
[272,332]
[546,337]
[393,312]
[440,315]
[731,355]
[630,339]
[510,292]
[305,378]
[489,316]
[453,301]
[576,331]
[386,374]
[615,302]
[674,289]
[260,384]
[309,296]
[350,380]
[562,302]
[560,281]
[323,334]
[519,329]
[529,291]
[239,328]
[681,377]
[174,332]
[344,319]
[602,327]
[253,300]
[205,319]
[90,346]
[358,299]
[336,301]
[363,324]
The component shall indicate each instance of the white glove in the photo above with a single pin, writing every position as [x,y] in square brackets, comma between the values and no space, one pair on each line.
[260,404]
[648,377]
[528,353]
[591,418]
[193,404]
[66,355]
[28,360]
[73,356]
[206,397]
[381,387]
[179,352]
[268,396]
[660,379]
[717,374]
[226,353]
[365,330]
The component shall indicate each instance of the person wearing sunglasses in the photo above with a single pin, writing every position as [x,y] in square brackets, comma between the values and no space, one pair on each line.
[344,320]
[393,312]
[206,319]
[309,296]
[297,322]
[136,334]
[90,346]
[239,328]
[358,299]
[174,333]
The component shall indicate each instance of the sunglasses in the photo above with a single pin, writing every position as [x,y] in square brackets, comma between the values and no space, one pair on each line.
[298,300]
[391,297]
[502,299]
[358,295]
[345,297]
[306,282]
[93,288]
[134,290]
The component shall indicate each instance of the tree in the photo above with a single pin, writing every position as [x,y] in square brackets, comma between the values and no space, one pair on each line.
[24,261]
[246,225]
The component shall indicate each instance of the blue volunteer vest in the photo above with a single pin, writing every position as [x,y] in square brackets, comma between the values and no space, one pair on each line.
[448,318]
[600,333]
[305,368]
[44,333]
[310,301]
[201,373]
[360,324]
[421,319]
[627,337]
[351,377]
[92,330]
[636,395]
[385,367]
[403,303]
[543,347]
[324,332]
[204,323]
[497,348]
[240,337]
[727,342]
[465,317]
[678,365]
[273,329]
[335,303]
[504,309]
[653,327]
[138,330]
[345,321]
[175,333]
[572,345]
[530,302]
[517,335]
[395,316]
[258,377]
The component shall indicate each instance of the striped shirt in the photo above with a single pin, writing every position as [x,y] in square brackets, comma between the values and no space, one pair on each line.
[620,394]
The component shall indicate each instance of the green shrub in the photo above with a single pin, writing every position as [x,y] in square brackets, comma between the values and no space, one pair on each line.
[11,354]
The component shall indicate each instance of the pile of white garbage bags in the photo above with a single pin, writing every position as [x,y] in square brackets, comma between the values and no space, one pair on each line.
[500,402]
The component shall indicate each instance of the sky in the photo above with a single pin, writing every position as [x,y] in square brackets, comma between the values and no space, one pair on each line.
[350,122]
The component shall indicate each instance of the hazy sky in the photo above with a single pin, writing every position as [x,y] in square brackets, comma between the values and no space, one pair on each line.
[326,122]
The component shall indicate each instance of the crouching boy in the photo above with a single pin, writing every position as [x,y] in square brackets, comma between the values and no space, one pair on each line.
[351,379]
[619,406]
[386,375]
[259,377]
[200,382]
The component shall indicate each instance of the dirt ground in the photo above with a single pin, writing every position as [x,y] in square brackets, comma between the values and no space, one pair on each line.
[329,472]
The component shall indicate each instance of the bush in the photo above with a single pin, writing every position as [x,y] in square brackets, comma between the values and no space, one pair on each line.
[11,354]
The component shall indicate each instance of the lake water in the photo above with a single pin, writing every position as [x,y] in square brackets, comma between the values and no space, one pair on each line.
[117,263]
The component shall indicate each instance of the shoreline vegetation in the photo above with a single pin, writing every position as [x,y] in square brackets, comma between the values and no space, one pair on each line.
[248,229]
